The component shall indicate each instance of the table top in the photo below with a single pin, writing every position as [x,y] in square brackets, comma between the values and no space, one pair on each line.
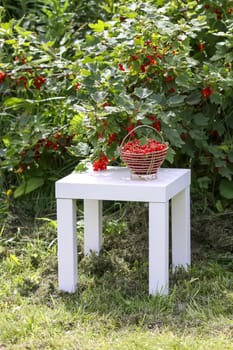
[115,183]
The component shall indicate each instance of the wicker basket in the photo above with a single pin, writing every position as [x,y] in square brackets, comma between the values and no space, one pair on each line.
[143,166]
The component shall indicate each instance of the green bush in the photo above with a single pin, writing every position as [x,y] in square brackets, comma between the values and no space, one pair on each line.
[169,67]
[165,64]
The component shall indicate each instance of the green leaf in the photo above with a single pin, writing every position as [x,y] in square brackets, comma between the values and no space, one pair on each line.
[226,189]
[81,149]
[99,96]
[6,141]
[170,155]
[189,148]
[99,26]
[11,42]
[142,92]
[14,259]
[166,116]
[125,102]
[204,182]
[6,28]
[22,31]
[219,206]
[173,136]
[225,172]
[155,99]
[230,156]
[200,120]
[216,98]
[182,80]
[176,100]
[13,101]
[143,141]
[83,165]
[28,186]
[193,99]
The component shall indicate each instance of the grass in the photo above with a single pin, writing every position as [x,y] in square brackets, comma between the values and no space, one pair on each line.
[111,309]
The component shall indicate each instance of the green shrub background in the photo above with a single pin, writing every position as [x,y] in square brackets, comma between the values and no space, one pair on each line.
[65,66]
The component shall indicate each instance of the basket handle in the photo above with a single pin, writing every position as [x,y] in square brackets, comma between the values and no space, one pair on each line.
[138,127]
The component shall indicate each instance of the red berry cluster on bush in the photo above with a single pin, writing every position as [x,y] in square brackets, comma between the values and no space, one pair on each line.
[2,76]
[54,145]
[39,81]
[207,91]
[147,62]
[101,163]
[30,77]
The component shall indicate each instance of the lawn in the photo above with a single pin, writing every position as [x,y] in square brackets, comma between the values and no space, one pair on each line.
[111,309]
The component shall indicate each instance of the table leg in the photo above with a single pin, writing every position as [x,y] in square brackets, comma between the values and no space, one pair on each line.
[92,226]
[67,245]
[181,229]
[158,248]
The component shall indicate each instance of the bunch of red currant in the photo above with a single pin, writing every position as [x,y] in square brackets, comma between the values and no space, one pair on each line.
[135,146]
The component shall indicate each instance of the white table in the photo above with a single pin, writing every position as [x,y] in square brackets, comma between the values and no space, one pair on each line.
[116,184]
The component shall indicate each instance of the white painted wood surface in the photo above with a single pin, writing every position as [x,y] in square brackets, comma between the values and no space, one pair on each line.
[116,184]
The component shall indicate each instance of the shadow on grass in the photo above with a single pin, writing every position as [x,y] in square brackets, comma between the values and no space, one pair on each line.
[113,287]
[115,283]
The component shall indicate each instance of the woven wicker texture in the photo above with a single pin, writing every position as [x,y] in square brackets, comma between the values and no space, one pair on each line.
[143,163]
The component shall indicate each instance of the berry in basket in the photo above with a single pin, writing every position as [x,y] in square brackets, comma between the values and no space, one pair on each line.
[143,156]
